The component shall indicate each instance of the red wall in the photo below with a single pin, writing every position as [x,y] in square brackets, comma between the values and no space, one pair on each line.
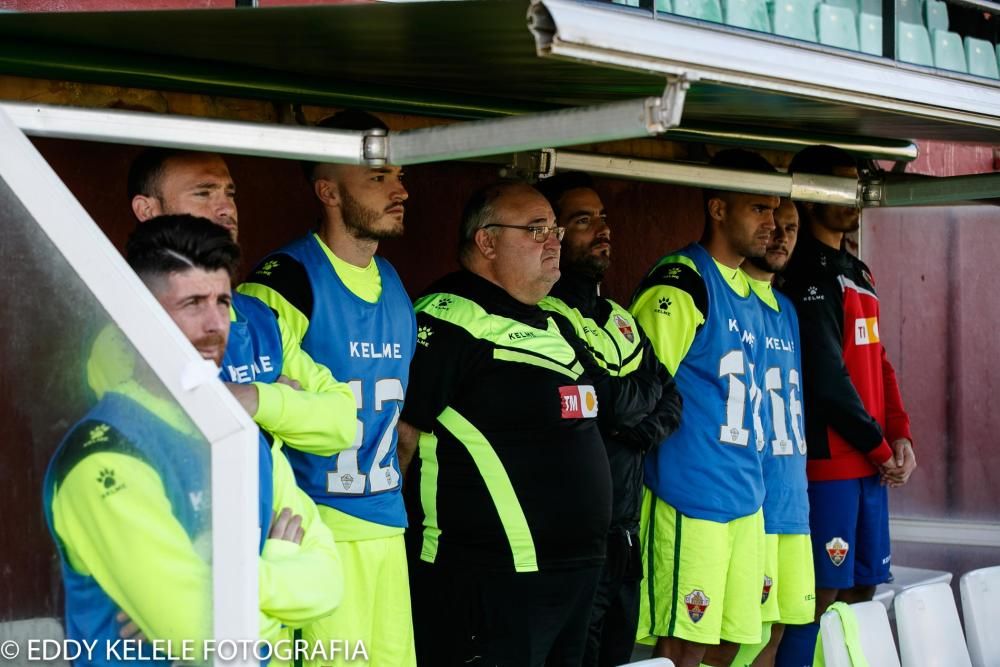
[940,317]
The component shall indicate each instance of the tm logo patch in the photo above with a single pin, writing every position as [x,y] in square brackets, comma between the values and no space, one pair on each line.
[766,591]
[578,401]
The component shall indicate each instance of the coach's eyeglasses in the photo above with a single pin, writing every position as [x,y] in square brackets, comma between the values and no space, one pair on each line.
[538,233]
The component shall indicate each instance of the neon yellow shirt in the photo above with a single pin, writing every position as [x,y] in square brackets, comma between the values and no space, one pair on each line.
[669,315]
[764,291]
[320,419]
[365,283]
[134,547]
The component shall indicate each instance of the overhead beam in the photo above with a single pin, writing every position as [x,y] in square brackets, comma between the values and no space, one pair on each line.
[897,150]
[801,187]
[914,190]
[189,133]
[613,121]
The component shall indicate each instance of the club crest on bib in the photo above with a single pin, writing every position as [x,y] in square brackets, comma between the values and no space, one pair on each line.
[697,603]
[766,591]
[625,328]
[837,549]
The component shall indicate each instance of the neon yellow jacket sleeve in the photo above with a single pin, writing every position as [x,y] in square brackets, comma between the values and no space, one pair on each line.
[129,541]
[299,583]
[322,418]
[670,319]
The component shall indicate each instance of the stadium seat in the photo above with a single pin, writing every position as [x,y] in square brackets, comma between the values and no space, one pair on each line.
[706,10]
[874,634]
[884,597]
[909,11]
[795,18]
[627,3]
[873,7]
[664,6]
[846,4]
[908,577]
[928,626]
[837,27]
[751,14]
[981,607]
[979,55]
[948,51]
[936,15]
[913,44]
[870,33]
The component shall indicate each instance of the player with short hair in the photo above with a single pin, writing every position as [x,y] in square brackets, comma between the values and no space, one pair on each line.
[619,345]
[702,529]
[788,596]
[282,388]
[348,308]
[127,492]
[857,429]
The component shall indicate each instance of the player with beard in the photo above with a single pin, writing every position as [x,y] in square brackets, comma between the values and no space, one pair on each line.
[619,345]
[138,541]
[788,596]
[701,524]
[282,388]
[857,429]
[348,308]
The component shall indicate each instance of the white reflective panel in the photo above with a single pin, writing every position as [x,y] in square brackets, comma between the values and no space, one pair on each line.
[130,496]
[93,437]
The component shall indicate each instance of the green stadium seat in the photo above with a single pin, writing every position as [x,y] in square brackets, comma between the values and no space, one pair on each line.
[936,15]
[846,4]
[706,10]
[873,7]
[837,27]
[664,6]
[913,44]
[627,3]
[909,11]
[751,14]
[980,56]
[948,51]
[795,18]
[870,33]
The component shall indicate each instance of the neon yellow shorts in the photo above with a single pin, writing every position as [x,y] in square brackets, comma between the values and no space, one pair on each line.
[789,594]
[702,578]
[375,610]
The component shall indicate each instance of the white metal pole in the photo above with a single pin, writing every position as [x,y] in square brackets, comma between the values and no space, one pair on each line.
[189,133]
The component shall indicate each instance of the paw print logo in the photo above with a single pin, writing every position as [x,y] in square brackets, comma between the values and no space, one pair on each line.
[443,303]
[423,334]
[106,478]
[673,273]
[664,306]
[97,434]
[813,291]
[268,267]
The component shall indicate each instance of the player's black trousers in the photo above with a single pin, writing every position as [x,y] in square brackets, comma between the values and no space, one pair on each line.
[488,619]
[615,615]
